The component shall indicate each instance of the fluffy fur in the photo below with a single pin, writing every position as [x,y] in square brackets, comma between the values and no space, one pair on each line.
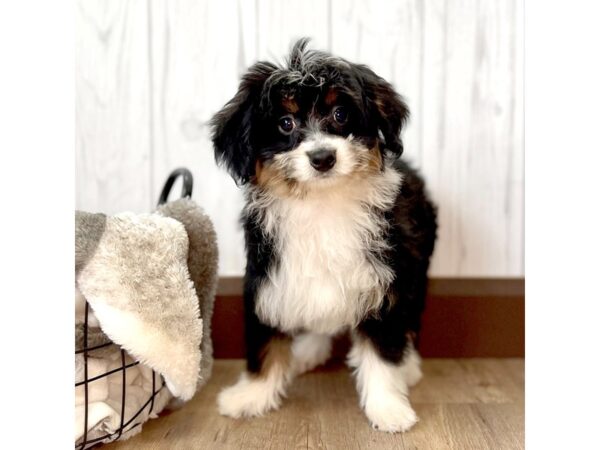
[339,231]
[323,238]
[202,263]
[309,350]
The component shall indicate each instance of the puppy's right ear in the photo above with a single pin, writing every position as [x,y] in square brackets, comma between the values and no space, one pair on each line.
[231,127]
[389,107]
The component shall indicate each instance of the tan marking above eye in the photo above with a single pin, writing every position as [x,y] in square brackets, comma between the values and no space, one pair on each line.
[289,104]
[331,96]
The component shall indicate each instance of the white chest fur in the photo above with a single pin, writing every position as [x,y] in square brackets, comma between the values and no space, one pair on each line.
[327,278]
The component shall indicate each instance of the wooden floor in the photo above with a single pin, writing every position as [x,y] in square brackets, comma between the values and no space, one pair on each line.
[462,404]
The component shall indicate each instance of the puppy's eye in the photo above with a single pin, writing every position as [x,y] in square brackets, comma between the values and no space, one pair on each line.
[286,124]
[340,115]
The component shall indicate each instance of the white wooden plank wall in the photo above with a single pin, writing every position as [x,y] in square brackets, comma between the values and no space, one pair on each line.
[150,73]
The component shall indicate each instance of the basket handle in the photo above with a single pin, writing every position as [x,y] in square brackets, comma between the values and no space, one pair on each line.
[186,189]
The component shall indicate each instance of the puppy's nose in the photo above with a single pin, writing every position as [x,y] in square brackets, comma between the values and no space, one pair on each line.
[322,159]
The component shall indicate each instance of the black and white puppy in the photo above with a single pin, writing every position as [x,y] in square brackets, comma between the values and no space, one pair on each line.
[339,231]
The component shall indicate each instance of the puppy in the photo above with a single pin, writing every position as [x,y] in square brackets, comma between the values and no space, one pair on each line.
[339,231]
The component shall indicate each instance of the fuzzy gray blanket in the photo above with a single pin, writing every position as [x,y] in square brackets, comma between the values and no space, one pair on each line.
[150,282]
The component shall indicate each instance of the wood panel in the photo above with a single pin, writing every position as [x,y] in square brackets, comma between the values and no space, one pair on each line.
[472,152]
[195,70]
[280,23]
[462,404]
[112,113]
[151,73]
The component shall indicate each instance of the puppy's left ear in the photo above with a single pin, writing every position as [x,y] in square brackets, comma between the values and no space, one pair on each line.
[232,126]
[387,105]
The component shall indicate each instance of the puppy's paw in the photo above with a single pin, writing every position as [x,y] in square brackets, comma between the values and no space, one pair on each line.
[392,414]
[249,397]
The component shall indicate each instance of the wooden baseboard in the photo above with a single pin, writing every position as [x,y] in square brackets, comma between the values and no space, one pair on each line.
[464,317]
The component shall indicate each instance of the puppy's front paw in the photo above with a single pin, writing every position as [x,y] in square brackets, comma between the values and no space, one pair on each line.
[249,397]
[391,414]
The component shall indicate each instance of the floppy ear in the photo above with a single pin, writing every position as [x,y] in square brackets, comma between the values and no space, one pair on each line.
[231,127]
[388,106]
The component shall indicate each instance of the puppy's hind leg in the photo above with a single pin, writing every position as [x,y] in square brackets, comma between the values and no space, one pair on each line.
[411,365]
[310,350]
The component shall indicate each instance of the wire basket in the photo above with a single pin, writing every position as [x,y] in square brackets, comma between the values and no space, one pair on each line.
[125,426]
[126,362]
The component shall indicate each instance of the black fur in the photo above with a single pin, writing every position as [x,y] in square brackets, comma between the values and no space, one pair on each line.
[412,236]
[245,133]
[260,257]
[232,125]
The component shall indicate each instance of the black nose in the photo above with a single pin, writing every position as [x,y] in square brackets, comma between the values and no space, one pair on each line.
[322,159]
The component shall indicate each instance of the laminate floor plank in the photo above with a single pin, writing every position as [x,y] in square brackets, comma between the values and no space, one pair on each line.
[461,403]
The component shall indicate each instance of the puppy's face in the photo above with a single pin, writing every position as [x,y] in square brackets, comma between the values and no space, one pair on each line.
[318,122]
